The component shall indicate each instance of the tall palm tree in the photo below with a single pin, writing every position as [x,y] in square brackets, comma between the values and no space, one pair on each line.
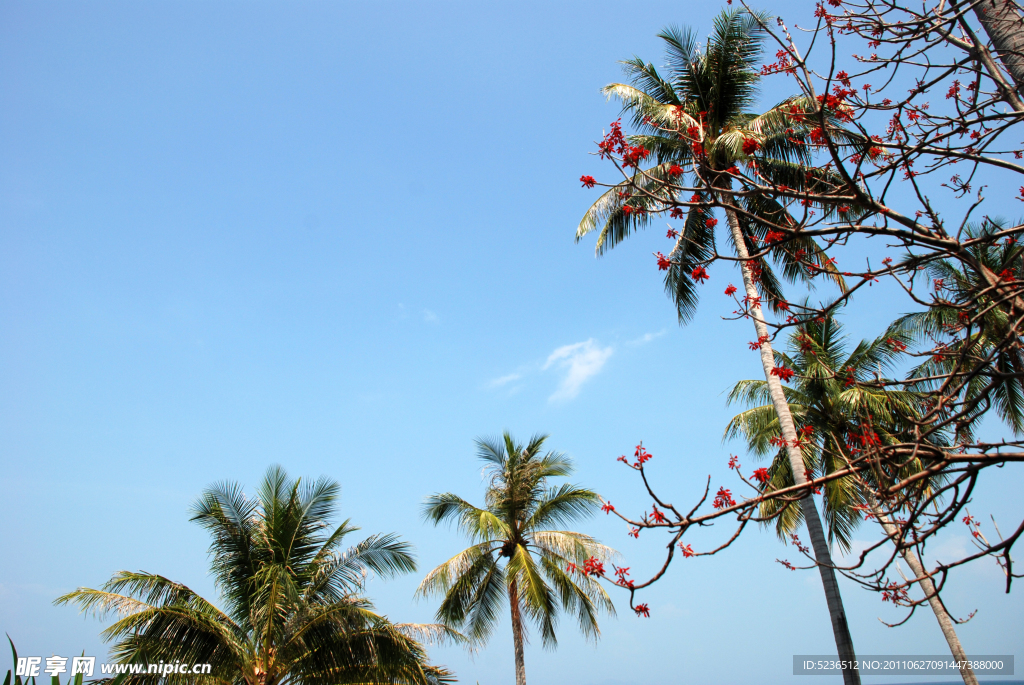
[515,554]
[830,398]
[292,607]
[695,120]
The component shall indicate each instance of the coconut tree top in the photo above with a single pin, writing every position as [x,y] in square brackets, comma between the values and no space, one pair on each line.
[292,606]
[518,552]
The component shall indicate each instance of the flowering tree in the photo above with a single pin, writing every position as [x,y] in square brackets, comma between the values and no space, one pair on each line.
[961,263]
[876,164]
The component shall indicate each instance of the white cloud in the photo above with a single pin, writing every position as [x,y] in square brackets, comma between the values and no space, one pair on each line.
[646,338]
[430,317]
[581,360]
[498,382]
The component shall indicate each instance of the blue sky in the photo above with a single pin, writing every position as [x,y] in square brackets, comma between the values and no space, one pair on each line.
[339,237]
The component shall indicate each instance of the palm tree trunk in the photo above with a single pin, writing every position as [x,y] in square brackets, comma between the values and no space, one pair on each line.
[941,615]
[1005,27]
[1002,22]
[517,632]
[841,631]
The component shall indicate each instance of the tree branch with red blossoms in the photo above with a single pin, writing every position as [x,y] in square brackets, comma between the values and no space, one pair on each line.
[913,503]
[881,158]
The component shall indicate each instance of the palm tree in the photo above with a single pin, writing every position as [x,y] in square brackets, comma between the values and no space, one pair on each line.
[514,554]
[695,121]
[830,397]
[292,611]
[979,332]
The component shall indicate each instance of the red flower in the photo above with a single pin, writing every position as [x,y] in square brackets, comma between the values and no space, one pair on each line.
[675,170]
[607,507]
[750,146]
[773,236]
[663,261]
[757,345]
[896,345]
[672,233]
[632,155]
[700,274]
[734,462]
[657,516]
[642,610]
[895,594]
[593,567]
[730,290]
[635,533]
[695,198]
[867,438]
[783,373]
[588,181]
[641,455]
[711,223]
[686,550]
[676,213]
[761,475]
[723,499]
[613,141]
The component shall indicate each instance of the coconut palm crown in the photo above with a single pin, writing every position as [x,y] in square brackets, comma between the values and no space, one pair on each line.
[978,336]
[695,122]
[292,611]
[516,554]
[833,398]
